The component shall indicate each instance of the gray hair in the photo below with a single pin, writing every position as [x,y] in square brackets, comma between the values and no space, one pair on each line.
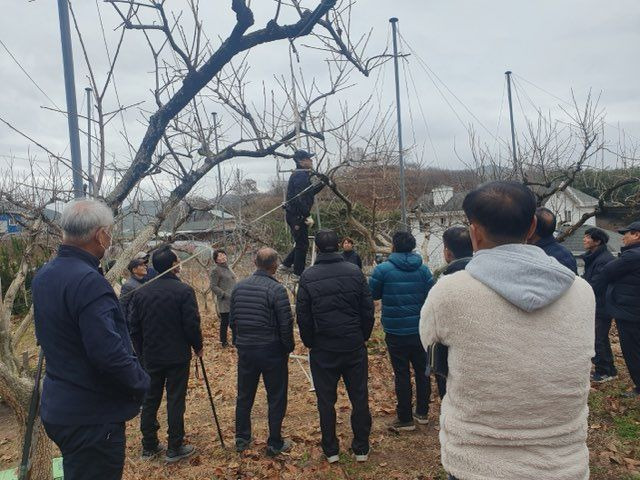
[81,218]
[266,258]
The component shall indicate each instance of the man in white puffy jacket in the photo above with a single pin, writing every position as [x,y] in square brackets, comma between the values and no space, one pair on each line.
[519,352]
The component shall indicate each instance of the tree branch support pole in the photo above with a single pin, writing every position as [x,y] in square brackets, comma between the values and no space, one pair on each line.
[403,194]
[70,90]
[220,207]
[89,166]
[513,128]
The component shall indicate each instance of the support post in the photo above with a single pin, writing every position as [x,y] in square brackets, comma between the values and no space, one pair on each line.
[513,128]
[220,208]
[403,195]
[70,90]
[89,161]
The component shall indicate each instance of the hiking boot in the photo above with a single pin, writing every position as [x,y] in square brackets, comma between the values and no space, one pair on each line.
[176,454]
[242,444]
[274,452]
[282,268]
[333,458]
[630,394]
[422,419]
[149,453]
[602,377]
[398,426]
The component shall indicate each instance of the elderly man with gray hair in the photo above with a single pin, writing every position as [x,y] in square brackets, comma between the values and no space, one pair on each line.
[93,382]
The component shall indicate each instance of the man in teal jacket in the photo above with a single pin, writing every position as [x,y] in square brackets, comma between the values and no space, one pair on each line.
[402,283]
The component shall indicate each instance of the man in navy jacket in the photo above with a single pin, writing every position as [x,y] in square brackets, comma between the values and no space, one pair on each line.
[543,238]
[93,382]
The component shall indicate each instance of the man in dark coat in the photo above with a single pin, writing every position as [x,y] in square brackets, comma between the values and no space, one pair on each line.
[349,254]
[137,271]
[458,251]
[262,328]
[93,382]
[301,191]
[165,328]
[335,316]
[622,301]
[543,238]
[596,257]
[403,283]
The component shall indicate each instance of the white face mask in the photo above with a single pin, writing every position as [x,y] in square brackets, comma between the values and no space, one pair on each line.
[108,247]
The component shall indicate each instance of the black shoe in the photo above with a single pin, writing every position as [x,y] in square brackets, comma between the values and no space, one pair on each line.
[286,446]
[184,451]
[398,426]
[149,453]
[242,444]
[421,418]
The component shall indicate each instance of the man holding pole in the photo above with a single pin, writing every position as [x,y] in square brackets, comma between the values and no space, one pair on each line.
[301,191]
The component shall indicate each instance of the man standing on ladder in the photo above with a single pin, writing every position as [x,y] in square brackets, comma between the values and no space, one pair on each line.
[301,190]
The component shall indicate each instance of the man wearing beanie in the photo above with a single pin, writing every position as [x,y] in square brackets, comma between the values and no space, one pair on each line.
[301,190]
[335,316]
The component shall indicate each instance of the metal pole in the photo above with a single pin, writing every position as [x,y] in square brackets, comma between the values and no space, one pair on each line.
[89,166]
[70,89]
[513,128]
[220,208]
[403,195]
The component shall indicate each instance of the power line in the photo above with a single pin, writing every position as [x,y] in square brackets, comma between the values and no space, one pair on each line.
[27,74]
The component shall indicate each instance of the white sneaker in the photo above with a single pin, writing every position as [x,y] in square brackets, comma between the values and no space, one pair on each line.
[333,458]
[362,458]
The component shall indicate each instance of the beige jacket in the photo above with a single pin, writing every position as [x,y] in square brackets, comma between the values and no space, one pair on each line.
[518,383]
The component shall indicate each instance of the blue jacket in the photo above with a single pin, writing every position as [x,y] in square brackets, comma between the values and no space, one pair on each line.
[402,283]
[92,375]
[552,248]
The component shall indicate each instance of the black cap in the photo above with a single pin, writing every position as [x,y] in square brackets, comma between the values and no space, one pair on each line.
[632,227]
[301,155]
[136,262]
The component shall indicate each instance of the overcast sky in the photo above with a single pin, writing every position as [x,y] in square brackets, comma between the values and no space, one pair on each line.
[555,45]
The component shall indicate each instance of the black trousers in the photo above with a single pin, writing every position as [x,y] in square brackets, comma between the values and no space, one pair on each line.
[326,369]
[629,333]
[298,256]
[603,360]
[175,378]
[90,452]
[273,365]
[406,351]
[224,327]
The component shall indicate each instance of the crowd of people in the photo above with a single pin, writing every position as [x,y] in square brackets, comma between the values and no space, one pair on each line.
[508,329]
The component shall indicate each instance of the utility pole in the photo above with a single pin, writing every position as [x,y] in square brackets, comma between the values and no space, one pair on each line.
[220,208]
[403,195]
[513,128]
[89,167]
[70,90]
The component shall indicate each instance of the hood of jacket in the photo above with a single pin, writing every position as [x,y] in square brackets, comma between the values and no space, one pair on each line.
[524,275]
[408,262]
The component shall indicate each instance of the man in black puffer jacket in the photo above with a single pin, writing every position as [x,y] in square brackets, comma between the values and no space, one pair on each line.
[262,329]
[596,257]
[335,314]
[622,277]
[165,328]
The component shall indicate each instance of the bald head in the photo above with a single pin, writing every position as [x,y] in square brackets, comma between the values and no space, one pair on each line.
[267,260]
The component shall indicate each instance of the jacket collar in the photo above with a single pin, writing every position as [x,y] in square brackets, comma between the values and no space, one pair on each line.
[262,273]
[331,257]
[457,265]
[169,276]
[630,247]
[546,241]
[589,257]
[75,252]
